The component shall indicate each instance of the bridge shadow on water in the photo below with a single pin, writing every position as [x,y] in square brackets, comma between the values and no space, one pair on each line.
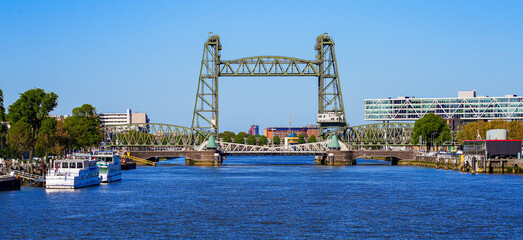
[270,161]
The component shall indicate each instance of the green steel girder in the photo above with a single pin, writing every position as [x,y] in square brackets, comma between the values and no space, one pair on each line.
[380,134]
[330,99]
[325,68]
[152,134]
[268,66]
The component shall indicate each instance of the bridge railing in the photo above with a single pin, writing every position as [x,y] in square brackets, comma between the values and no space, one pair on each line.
[318,148]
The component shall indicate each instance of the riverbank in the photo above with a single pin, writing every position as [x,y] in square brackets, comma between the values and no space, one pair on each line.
[501,166]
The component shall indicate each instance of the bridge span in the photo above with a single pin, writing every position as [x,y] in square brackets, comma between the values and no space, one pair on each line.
[213,153]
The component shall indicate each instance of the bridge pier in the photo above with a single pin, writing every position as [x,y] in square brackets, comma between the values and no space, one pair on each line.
[205,158]
[336,158]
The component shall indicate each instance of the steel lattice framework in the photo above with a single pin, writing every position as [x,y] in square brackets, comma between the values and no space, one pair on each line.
[325,68]
[379,134]
[152,134]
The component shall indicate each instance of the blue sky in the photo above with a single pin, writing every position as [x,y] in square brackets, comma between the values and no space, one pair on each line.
[146,55]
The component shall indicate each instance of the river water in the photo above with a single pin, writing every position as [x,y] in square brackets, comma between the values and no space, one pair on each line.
[274,198]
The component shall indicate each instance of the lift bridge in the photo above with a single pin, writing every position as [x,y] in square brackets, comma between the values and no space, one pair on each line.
[205,123]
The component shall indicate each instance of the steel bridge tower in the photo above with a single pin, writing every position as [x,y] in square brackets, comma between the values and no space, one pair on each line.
[331,112]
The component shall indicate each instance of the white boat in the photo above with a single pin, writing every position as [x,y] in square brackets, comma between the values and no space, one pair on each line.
[75,171]
[109,165]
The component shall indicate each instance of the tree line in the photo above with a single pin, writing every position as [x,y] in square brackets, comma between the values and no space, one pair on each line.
[33,133]
[433,130]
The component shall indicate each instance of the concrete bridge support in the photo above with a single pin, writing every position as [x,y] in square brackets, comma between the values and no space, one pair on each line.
[336,158]
[197,158]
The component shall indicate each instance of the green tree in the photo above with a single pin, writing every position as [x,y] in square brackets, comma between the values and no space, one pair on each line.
[83,128]
[46,139]
[433,129]
[251,140]
[276,140]
[262,141]
[227,138]
[312,139]
[20,137]
[86,110]
[242,134]
[301,139]
[239,139]
[32,108]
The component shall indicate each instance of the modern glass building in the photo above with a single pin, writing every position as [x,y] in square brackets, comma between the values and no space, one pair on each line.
[464,108]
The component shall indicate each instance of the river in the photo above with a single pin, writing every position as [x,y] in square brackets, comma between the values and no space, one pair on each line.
[274,198]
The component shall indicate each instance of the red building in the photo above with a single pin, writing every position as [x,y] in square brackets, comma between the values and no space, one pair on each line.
[282,132]
[254,130]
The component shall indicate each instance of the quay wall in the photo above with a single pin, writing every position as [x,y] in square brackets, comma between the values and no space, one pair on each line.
[467,165]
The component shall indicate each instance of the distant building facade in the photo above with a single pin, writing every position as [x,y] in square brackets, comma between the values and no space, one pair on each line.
[59,117]
[467,107]
[283,132]
[111,119]
[254,130]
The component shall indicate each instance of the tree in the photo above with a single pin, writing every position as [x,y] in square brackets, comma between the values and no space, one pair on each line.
[470,131]
[46,139]
[32,108]
[262,141]
[227,136]
[239,139]
[242,134]
[86,110]
[312,139]
[304,135]
[432,128]
[515,130]
[83,128]
[251,140]
[301,139]
[20,138]
[276,140]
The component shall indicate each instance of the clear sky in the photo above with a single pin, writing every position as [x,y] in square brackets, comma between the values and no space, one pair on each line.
[146,55]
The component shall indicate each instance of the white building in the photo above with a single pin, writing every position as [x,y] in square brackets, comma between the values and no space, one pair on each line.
[467,106]
[111,119]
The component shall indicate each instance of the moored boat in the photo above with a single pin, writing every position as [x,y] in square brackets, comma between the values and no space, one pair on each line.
[109,165]
[75,171]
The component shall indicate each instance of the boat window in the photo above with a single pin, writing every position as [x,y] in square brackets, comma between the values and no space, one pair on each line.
[79,165]
[72,165]
[65,165]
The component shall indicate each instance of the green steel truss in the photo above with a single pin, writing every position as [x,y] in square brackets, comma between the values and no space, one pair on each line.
[379,134]
[205,116]
[268,66]
[152,134]
[330,99]
[325,67]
